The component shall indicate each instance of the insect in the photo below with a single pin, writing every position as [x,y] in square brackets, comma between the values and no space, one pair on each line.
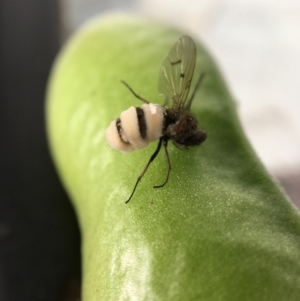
[138,126]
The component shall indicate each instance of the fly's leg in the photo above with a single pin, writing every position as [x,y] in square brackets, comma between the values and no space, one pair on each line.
[137,96]
[165,144]
[146,167]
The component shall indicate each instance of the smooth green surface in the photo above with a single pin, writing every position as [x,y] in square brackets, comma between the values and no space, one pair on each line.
[221,229]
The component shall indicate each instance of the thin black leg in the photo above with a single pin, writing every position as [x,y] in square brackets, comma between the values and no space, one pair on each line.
[165,144]
[146,167]
[137,96]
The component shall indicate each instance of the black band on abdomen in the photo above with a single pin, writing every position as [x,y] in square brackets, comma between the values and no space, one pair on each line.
[141,122]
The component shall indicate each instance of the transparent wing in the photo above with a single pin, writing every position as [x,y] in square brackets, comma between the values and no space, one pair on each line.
[176,73]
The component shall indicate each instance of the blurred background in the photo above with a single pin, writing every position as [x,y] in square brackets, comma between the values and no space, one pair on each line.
[256,43]
[257,46]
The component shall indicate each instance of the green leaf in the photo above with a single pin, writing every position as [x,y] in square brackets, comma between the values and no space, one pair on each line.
[221,229]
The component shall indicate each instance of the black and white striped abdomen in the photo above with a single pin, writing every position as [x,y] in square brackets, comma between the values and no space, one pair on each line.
[136,128]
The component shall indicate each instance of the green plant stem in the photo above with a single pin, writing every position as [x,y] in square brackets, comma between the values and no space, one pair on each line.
[221,229]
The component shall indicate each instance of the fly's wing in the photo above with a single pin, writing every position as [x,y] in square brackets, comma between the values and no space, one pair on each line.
[176,73]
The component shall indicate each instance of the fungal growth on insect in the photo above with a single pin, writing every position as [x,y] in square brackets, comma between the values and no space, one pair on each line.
[138,126]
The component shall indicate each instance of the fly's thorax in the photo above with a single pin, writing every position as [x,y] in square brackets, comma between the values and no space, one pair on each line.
[136,128]
[172,116]
[182,128]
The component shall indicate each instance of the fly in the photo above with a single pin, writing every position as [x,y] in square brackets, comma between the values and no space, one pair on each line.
[138,126]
